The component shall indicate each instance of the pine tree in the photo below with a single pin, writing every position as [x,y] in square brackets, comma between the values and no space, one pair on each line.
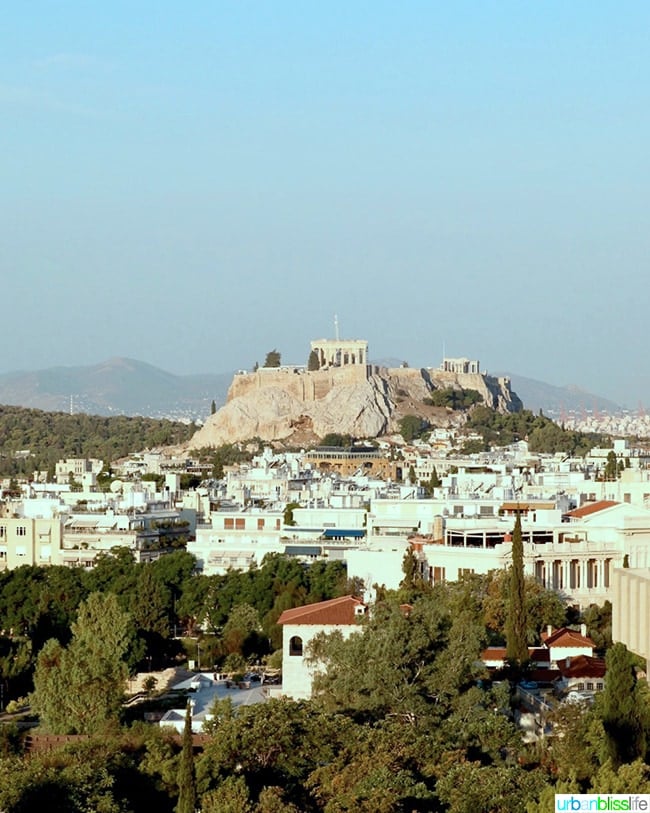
[186,779]
[80,689]
[213,407]
[313,363]
[516,640]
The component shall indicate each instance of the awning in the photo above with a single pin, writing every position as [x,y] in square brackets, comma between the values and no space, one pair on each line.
[337,533]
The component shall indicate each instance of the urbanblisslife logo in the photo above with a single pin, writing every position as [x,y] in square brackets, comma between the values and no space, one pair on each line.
[570,802]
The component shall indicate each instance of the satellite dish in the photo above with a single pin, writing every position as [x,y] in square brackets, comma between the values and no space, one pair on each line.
[116,486]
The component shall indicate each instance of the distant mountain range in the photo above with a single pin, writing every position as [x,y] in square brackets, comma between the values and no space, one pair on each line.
[555,401]
[119,386]
[122,386]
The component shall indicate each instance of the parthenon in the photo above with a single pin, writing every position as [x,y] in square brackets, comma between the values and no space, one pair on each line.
[340,352]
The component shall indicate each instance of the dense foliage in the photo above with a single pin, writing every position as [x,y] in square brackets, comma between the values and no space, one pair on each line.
[52,436]
[453,398]
[232,614]
[542,434]
[402,719]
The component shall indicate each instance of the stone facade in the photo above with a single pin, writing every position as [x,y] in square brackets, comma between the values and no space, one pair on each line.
[340,352]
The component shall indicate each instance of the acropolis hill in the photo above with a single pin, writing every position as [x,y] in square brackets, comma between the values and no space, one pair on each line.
[345,395]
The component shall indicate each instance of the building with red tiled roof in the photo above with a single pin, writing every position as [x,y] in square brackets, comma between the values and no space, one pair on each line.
[582,673]
[566,643]
[590,508]
[336,611]
[301,625]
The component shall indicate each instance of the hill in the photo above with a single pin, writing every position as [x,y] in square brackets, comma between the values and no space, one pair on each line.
[291,404]
[555,400]
[119,386]
[31,439]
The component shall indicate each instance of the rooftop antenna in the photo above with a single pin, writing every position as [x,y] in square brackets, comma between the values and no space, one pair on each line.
[336,327]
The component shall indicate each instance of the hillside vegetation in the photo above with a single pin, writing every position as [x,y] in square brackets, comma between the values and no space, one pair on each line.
[51,436]
[542,434]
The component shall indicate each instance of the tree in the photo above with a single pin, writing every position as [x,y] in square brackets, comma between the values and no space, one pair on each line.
[313,363]
[79,689]
[213,407]
[611,468]
[516,638]
[242,632]
[408,663]
[623,709]
[412,476]
[186,778]
[273,359]
[410,569]
[411,427]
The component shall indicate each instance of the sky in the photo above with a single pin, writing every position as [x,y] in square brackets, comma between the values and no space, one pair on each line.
[193,185]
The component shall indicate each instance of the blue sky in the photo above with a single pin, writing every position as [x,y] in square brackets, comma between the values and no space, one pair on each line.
[193,185]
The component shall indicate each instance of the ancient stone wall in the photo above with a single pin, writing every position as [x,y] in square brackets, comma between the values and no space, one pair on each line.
[301,384]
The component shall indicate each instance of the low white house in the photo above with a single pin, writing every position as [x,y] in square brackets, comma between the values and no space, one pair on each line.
[301,625]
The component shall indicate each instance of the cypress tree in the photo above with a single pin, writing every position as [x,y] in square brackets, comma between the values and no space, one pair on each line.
[186,780]
[622,709]
[516,639]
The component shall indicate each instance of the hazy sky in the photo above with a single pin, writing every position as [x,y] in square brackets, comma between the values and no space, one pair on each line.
[193,184]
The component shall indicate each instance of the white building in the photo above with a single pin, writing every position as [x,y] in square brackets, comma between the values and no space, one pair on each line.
[299,628]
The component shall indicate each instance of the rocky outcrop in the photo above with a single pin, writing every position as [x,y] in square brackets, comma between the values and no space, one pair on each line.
[363,402]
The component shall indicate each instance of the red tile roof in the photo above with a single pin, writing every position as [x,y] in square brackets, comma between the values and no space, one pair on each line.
[565,637]
[582,666]
[590,508]
[336,611]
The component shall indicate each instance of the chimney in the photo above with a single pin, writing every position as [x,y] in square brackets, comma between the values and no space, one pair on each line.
[583,630]
[549,630]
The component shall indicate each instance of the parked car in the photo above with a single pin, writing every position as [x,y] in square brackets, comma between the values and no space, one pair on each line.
[529,685]
[579,697]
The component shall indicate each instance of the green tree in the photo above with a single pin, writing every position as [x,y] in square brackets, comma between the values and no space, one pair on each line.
[611,468]
[79,689]
[516,637]
[412,476]
[213,407]
[242,632]
[186,778]
[623,708]
[313,362]
[410,569]
[288,513]
[407,664]
[411,427]
[273,359]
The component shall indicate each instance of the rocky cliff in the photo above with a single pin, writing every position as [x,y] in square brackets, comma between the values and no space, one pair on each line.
[365,402]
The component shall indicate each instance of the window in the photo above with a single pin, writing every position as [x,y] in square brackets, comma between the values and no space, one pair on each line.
[590,687]
[295,646]
[581,687]
[3,531]
[240,523]
[21,530]
[260,524]
[600,685]
[229,524]
[21,550]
